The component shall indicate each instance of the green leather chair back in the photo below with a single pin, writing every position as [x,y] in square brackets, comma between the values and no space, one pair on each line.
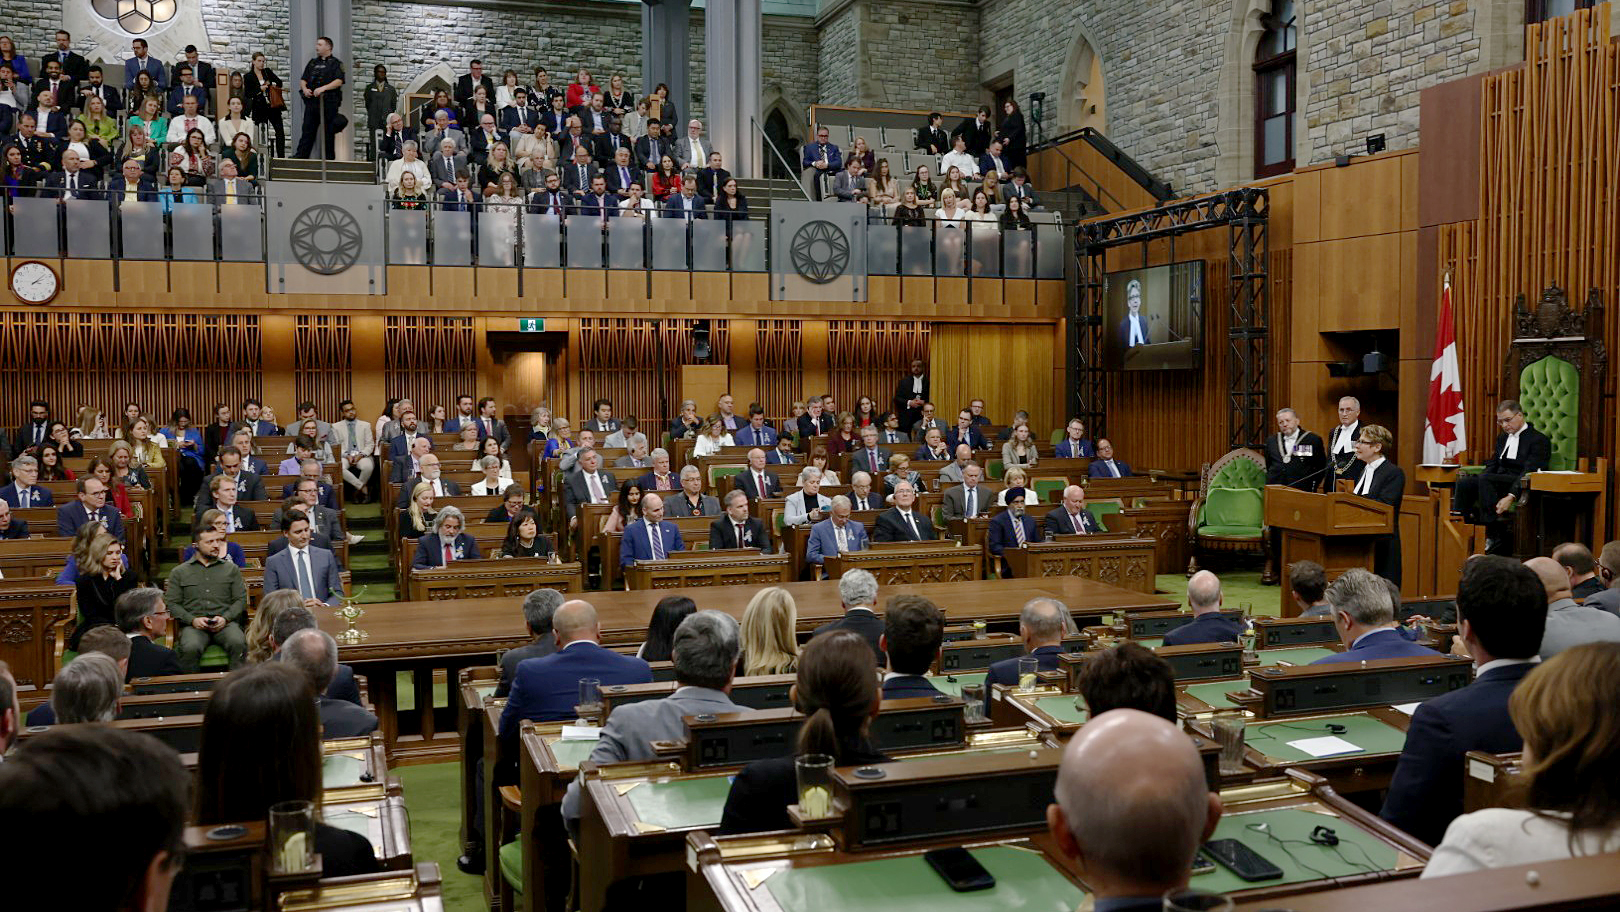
[718,472]
[1050,489]
[995,469]
[1099,509]
[1234,504]
[1550,391]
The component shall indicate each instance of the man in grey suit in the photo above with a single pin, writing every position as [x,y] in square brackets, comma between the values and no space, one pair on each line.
[229,189]
[353,443]
[323,520]
[705,654]
[967,499]
[446,165]
[870,458]
[442,131]
[1569,624]
[314,652]
[311,572]
[538,607]
[589,485]
[692,501]
[850,184]
[692,150]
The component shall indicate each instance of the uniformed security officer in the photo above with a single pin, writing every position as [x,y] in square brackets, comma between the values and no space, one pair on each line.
[322,86]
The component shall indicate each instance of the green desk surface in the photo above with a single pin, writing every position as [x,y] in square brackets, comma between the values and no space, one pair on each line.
[1297,655]
[1214,692]
[570,754]
[1025,881]
[1362,730]
[681,803]
[1062,708]
[1357,852]
[1150,642]
[951,685]
[485,690]
[341,770]
[352,821]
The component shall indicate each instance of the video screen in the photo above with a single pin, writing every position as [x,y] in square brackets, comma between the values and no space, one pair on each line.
[1153,318]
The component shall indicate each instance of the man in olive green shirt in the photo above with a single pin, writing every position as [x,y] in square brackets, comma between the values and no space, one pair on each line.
[208,598]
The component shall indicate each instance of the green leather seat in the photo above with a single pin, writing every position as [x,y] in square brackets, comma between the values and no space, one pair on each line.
[995,469]
[1050,489]
[717,472]
[1550,392]
[1104,508]
[511,859]
[1229,515]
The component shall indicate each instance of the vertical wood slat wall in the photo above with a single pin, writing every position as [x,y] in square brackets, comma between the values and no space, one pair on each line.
[619,360]
[1549,214]
[430,360]
[161,361]
[322,361]
[868,358]
[778,365]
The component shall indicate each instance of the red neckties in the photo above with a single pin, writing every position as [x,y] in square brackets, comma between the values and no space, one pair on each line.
[449,554]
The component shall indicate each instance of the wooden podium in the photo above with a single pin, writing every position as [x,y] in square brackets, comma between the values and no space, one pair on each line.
[1336,530]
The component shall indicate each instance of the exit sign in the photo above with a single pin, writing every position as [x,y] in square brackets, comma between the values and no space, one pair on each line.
[531,324]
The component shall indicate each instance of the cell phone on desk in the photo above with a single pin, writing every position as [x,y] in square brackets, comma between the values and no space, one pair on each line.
[1241,860]
[960,869]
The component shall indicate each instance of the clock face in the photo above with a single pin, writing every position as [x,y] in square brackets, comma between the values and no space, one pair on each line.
[34,282]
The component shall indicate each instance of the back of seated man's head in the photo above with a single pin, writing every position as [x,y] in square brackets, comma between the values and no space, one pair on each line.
[116,796]
[705,649]
[1204,592]
[1553,578]
[1363,597]
[1575,558]
[1128,676]
[574,620]
[107,640]
[1308,580]
[857,587]
[1040,622]
[314,653]
[1608,562]
[1132,805]
[913,628]
[135,606]
[1502,606]
[538,608]
[87,689]
[291,620]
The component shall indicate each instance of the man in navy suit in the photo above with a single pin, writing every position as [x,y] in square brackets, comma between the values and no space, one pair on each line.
[835,535]
[1501,612]
[400,445]
[1208,624]
[311,572]
[1071,517]
[91,504]
[132,180]
[547,689]
[1364,614]
[1105,465]
[688,205]
[783,454]
[1007,526]
[598,204]
[11,527]
[35,430]
[755,481]
[913,628]
[24,490]
[815,422]
[143,61]
[756,432]
[73,181]
[1040,626]
[857,592]
[186,86]
[966,431]
[1074,444]
[310,470]
[651,539]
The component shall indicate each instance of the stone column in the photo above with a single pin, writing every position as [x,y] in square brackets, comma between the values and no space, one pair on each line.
[732,40]
[666,54]
[306,21]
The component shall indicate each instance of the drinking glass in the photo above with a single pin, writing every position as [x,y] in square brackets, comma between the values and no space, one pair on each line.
[1228,731]
[973,697]
[292,836]
[590,696]
[1028,673]
[814,772]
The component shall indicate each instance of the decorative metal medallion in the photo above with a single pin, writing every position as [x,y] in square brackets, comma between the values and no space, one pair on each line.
[325,239]
[136,16]
[820,251]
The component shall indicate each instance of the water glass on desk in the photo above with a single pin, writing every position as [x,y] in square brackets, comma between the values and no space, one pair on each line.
[973,702]
[814,773]
[292,836]
[590,697]
[1029,669]
[1227,727]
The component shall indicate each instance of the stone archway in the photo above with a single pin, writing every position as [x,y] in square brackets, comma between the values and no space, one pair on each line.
[422,86]
[786,126]
[1083,102]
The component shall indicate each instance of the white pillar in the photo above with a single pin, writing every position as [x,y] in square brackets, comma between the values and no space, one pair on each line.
[666,53]
[306,21]
[732,41]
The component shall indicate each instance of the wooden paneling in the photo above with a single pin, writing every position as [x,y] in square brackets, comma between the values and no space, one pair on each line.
[1448,166]
[1009,366]
[620,360]
[321,361]
[778,366]
[867,358]
[1078,164]
[105,359]
[430,360]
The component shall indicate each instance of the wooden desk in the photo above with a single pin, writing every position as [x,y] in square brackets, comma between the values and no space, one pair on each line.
[1164,521]
[487,536]
[494,577]
[1587,882]
[912,562]
[33,558]
[546,764]
[1118,560]
[684,569]
[424,638]
[796,539]
[1492,780]
[29,610]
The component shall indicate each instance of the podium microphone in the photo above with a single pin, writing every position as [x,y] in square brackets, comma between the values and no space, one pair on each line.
[1326,468]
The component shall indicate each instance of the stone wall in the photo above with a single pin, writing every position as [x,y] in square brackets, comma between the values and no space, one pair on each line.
[900,54]
[838,53]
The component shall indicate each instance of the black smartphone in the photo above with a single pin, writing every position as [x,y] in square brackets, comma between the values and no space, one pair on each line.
[960,869]
[1241,860]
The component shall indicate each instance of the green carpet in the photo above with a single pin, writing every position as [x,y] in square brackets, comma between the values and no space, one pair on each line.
[433,797]
[1237,587]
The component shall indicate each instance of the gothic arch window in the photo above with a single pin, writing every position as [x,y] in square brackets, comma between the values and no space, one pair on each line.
[776,128]
[1275,92]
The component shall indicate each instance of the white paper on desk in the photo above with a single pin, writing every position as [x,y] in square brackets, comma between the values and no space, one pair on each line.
[1330,746]
[1408,708]
[580,732]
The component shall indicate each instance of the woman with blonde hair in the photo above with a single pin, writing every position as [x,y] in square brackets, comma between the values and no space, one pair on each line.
[1016,477]
[1019,448]
[146,449]
[768,642]
[419,516]
[259,646]
[92,424]
[713,438]
[1568,712]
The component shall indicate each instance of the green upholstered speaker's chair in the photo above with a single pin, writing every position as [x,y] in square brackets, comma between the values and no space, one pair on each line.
[1228,518]
[1555,369]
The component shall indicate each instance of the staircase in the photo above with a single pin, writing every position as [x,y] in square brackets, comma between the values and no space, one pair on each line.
[760,191]
[337,172]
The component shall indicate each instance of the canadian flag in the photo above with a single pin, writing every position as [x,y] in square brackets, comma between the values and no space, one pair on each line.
[1444,435]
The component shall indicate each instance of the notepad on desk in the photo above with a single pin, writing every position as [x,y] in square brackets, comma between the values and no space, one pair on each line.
[1329,746]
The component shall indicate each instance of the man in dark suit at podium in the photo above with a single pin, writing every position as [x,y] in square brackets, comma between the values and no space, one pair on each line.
[1485,498]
